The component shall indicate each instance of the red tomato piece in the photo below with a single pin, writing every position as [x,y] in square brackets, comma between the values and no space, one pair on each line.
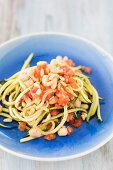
[50,136]
[70,116]
[29,95]
[71,80]
[34,89]
[66,71]
[49,125]
[70,63]
[87,70]
[72,83]
[62,101]
[49,96]
[42,87]
[63,97]
[37,73]
[70,130]
[76,122]
[43,66]
[54,112]
[22,126]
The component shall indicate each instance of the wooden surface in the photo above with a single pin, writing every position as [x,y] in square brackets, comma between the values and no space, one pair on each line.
[92,19]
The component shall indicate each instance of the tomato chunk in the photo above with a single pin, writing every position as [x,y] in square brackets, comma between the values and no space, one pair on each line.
[72,83]
[66,71]
[70,130]
[44,67]
[70,116]
[54,112]
[49,96]
[63,101]
[29,95]
[50,136]
[70,63]
[87,70]
[22,126]
[37,74]
[76,122]
[34,89]
[63,97]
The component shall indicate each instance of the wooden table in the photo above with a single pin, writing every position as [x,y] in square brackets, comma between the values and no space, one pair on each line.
[92,19]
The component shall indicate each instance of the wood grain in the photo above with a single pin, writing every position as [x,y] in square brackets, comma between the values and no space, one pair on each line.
[88,18]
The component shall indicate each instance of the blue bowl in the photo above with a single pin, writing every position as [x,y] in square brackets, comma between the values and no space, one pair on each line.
[90,136]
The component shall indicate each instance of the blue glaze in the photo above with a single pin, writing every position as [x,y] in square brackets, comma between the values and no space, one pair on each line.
[46,47]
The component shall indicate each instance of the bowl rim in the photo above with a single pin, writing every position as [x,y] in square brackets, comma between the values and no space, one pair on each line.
[61,158]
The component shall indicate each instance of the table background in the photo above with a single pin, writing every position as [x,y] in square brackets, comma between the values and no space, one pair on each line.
[92,19]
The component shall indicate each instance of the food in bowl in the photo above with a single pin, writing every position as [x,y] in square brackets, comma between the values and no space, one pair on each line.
[44,98]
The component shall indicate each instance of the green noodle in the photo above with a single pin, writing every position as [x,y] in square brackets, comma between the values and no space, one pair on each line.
[13,92]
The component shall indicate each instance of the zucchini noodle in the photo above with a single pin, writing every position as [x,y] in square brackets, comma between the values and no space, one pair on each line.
[65,114]
[45,96]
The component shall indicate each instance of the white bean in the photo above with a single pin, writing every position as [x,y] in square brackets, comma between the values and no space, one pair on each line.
[84,115]
[63,131]
[34,132]
[45,79]
[39,91]
[54,83]
[85,106]
[41,63]
[65,58]
[42,72]
[77,103]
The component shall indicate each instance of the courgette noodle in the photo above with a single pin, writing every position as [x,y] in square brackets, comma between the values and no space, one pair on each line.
[24,96]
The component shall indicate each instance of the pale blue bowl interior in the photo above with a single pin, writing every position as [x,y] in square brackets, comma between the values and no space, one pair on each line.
[46,47]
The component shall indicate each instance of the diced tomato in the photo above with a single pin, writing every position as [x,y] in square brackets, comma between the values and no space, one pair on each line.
[72,83]
[54,112]
[70,63]
[70,117]
[70,73]
[70,130]
[43,66]
[49,125]
[32,93]
[39,96]
[87,70]
[49,95]
[76,122]
[29,95]
[42,87]
[37,74]
[70,95]
[71,80]
[63,97]
[66,71]
[66,77]
[34,89]
[64,100]
[50,136]
[57,105]
[22,126]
